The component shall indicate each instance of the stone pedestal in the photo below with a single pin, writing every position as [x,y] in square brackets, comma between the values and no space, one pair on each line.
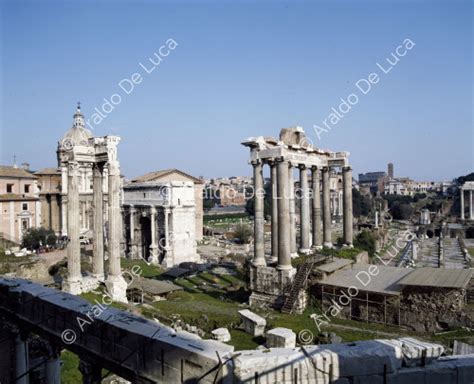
[117,288]
[268,285]
[281,338]
[252,323]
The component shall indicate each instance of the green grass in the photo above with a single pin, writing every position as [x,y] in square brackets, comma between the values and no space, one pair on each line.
[147,270]
[470,250]
[70,368]
[243,341]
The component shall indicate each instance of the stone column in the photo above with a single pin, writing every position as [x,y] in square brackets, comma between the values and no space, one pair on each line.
[291,182]
[64,215]
[259,230]
[98,212]
[326,209]
[53,367]
[153,245]
[131,246]
[462,203]
[73,283]
[64,182]
[116,285]
[471,210]
[284,246]
[273,175]
[21,360]
[340,200]
[304,210]
[317,240]
[347,216]
[168,258]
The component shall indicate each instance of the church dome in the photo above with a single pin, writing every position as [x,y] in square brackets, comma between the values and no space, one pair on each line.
[78,134]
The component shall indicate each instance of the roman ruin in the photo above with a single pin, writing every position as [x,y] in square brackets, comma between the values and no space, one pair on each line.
[160,222]
[79,150]
[149,352]
[292,151]
[467,186]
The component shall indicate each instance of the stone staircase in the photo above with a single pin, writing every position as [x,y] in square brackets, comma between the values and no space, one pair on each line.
[453,255]
[299,283]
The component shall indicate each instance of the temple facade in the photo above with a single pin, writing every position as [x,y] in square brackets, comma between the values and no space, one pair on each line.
[271,273]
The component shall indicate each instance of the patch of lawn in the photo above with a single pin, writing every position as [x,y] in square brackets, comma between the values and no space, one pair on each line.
[148,271]
[241,340]
[70,368]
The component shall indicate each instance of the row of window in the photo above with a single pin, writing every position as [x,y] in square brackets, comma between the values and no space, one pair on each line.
[26,188]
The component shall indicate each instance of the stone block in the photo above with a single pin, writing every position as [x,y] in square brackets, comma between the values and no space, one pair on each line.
[281,338]
[221,334]
[252,323]
[416,353]
[357,359]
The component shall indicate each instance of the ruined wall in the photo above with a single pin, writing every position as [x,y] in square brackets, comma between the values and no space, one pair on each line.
[433,309]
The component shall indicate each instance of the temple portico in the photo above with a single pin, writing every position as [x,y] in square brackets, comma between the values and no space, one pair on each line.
[284,157]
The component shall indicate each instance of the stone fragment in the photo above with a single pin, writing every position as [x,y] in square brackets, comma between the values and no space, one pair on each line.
[252,323]
[221,334]
[281,338]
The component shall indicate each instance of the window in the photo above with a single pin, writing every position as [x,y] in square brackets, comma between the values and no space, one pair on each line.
[27,188]
[24,206]
[9,188]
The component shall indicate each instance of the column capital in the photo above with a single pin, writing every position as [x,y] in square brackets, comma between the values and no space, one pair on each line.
[314,168]
[132,208]
[152,209]
[302,166]
[256,162]
[325,168]
[271,162]
[280,159]
[73,166]
[346,168]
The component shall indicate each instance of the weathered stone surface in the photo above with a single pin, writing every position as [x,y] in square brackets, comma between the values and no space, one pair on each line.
[221,334]
[353,359]
[252,323]
[281,338]
[417,352]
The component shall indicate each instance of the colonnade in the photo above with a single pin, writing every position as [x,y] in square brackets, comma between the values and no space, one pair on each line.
[468,186]
[315,210]
[114,281]
[156,244]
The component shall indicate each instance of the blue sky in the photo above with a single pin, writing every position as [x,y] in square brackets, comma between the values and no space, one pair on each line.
[241,69]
